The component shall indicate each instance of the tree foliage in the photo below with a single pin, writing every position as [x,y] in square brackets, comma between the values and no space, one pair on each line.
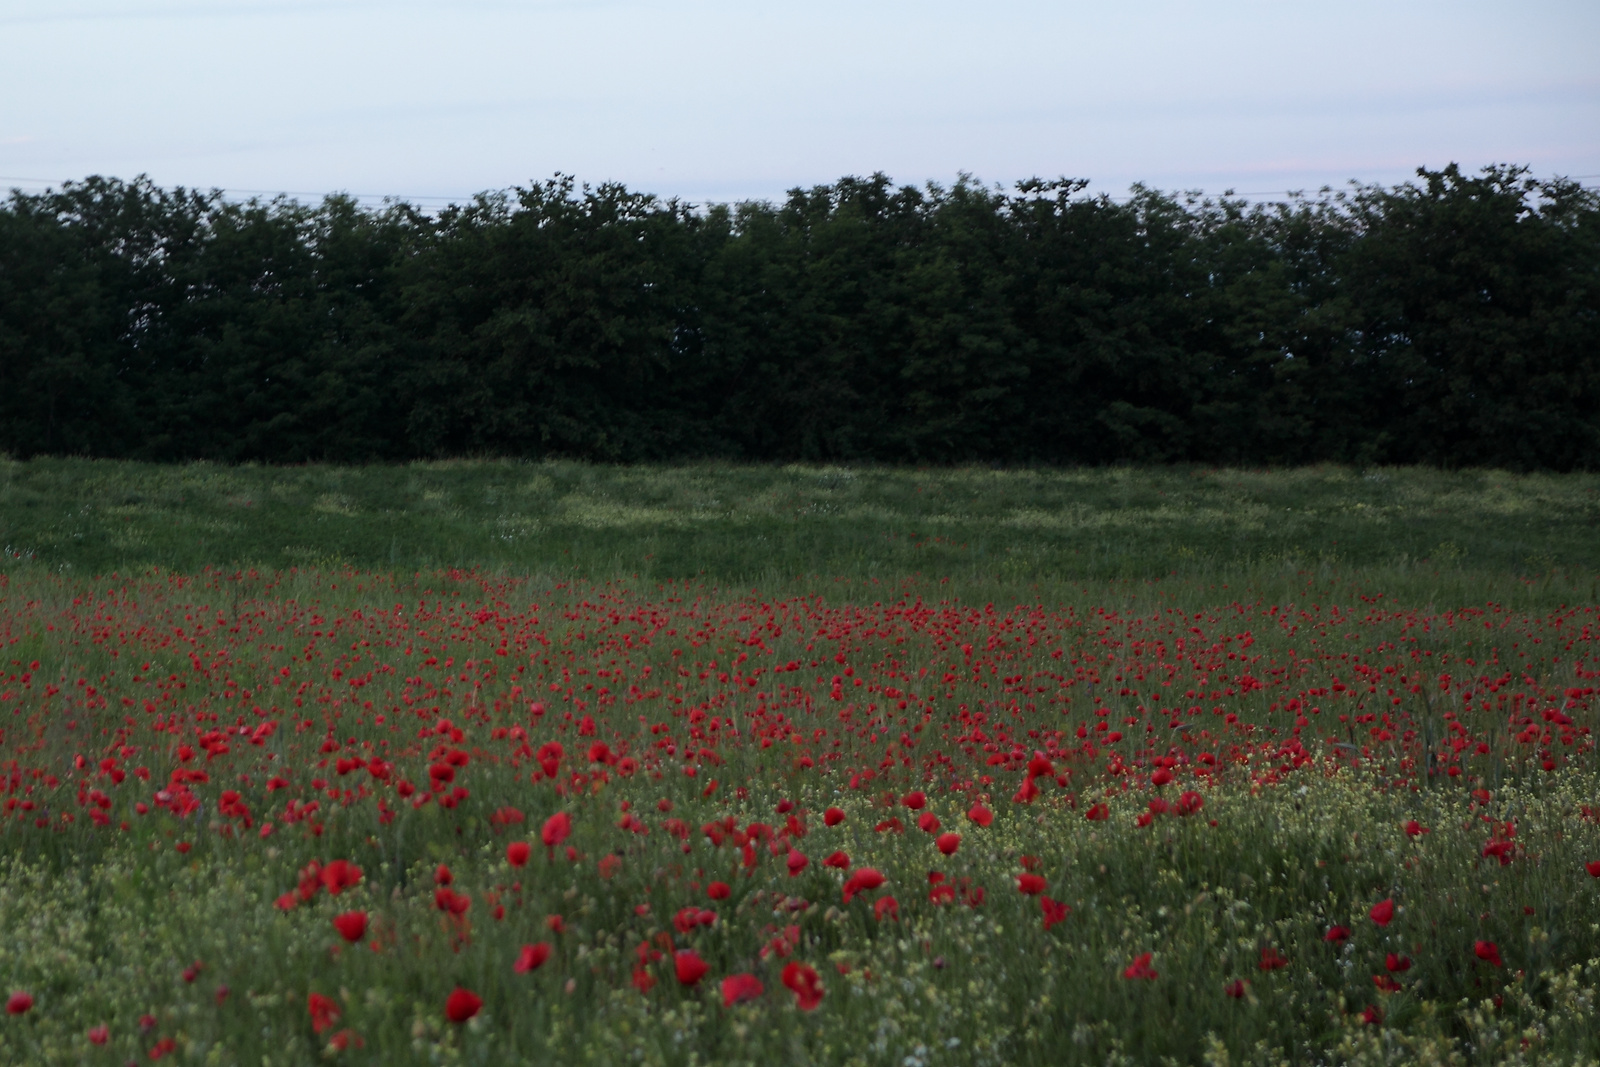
[1453,320]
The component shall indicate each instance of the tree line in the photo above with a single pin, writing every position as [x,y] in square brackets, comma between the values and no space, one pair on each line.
[1452,320]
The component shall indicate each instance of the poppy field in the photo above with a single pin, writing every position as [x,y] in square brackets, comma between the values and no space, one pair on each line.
[455,818]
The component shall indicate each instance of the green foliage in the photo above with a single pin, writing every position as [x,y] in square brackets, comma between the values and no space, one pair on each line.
[1452,322]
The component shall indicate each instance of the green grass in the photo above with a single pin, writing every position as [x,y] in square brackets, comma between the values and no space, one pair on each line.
[742,524]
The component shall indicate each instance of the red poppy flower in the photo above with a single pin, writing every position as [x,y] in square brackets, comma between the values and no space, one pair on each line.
[1488,952]
[832,817]
[448,900]
[1189,803]
[915,801]
[689,966]
[719,890]
[531,957]
[1140,968]
[1161,777]
[928,822]
[1040,767]
[1396,963]
[838,860]
[442,875]
[1030,884]
[1382,912]
[797,862]
[1337,935]
[1097,813]
[341,1041]
[885,906]
[980,815]
[1026,793]
[517,853]
[557,828]
[1235,988]
[863,879]
[948,843]
[324,1011]
[1385,983]
[1593,868]
[18,1003]
[352,925]
[1373,1016]
[802,980]
[461,1005]
[1054,911]
[1272,960]
[99,1035]
[1414,828]
[737,988]
[340,875]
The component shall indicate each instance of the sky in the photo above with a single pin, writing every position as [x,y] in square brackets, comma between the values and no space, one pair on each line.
[714,100]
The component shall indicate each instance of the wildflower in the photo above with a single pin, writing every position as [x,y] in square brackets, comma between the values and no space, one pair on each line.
[449,901]
[461,1005]
[1396,963]
[866,878]
[737,988]
[1140,968]
[915,801]
[796,862]
[531,957]
[517,853]
[928,822]
[802,980]
[1271,959]
[1161,777]
[1385,983]
[688,965]
[947,843]
[1415,828]
[1235,988]
[324,1011]
[340,875]
[980,815]
[1189,803]
[352,925]
[1031,884]
[838,860]
[1040,767]
[343,1039]
[885,906]
[442,875]
[1373,1016]
[1097,813]
[719,890]
[99,1035]
[1593,867]
[1382,912]
[19,1003]
[1054,911]
[1337,935]
[832,817]
[556,829]
[1488,952]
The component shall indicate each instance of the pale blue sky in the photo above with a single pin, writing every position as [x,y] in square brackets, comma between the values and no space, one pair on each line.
[708,99]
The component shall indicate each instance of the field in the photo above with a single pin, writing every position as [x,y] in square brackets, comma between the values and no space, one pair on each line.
[486,762]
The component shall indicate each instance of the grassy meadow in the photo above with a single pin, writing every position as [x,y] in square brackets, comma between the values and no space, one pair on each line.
[487,762]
